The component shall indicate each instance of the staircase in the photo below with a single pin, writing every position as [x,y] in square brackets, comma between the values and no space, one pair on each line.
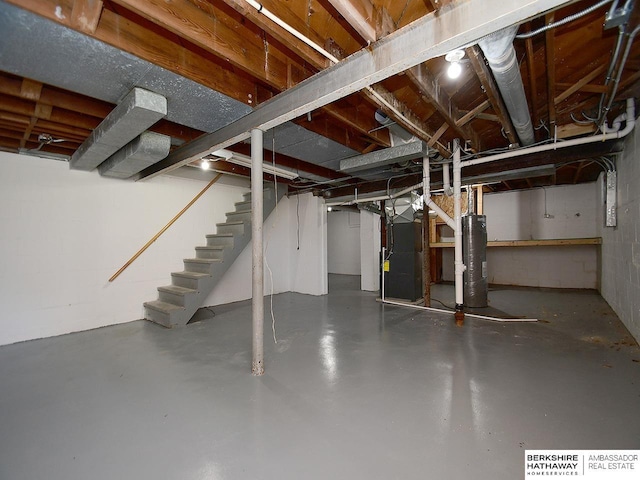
[178,302]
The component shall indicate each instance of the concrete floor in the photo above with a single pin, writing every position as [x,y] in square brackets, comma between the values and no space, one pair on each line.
[353,389]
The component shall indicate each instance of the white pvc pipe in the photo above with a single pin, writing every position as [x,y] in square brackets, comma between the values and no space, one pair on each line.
[271,16]
[630,118]
[457,209]
[472,315]
[446,180]
[257,266]
[428,201]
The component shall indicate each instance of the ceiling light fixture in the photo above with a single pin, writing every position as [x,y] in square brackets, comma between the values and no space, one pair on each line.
[245,161]
[204,164]
[455,69]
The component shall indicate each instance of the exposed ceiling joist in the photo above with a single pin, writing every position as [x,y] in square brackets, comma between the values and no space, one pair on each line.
[579,84]
[444,105]
[551,72]
[430,36]
[491,89]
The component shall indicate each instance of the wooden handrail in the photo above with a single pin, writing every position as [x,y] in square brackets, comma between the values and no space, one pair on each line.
[164,229]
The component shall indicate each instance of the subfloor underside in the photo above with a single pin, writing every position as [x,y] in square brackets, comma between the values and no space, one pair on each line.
[353,389]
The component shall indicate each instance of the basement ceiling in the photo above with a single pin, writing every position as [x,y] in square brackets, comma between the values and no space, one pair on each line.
[64,65]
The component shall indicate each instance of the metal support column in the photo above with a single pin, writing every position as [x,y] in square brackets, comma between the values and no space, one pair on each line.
[457,208]
[257,304]
[426,250]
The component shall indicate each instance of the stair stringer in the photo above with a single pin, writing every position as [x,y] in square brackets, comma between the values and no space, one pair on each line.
[178,302]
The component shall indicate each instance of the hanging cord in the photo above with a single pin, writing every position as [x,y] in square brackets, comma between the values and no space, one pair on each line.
[275,221]
[298,219]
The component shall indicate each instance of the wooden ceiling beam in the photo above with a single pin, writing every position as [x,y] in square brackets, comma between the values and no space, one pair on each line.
[128,36]
[584,88]
[579,84]
[29,89]
[430,36]
[365,17]
[318,61]
[550,48]
[27,132]
[407,120]
[305,52]
[85,15]
[443,103]
[491,90]
[467,117]
[210,29]
[436,136]
[46,95]
[370,21]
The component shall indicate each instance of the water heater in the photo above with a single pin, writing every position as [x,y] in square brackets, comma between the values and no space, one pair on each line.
[474,250]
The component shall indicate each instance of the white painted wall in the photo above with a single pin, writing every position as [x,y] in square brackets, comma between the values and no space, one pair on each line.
[370,245]
[65,232]
[343,242]
[308,230]
[519,215]
[292,270]
[621,245]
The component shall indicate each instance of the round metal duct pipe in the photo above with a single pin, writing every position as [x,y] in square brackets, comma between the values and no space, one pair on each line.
[499,52]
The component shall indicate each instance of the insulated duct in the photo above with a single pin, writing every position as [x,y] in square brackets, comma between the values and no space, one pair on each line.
[499,52]
[398,134]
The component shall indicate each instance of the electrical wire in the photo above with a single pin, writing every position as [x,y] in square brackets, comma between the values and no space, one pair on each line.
[602,115]
[266,247]
[568,19]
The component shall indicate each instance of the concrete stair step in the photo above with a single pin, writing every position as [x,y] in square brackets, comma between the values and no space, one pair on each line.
[178,302]
[236,228]
[243,205]
[161,312]
[210,251]
[200,265]
[175,294]
[188,279]
[224,239]
[239,216]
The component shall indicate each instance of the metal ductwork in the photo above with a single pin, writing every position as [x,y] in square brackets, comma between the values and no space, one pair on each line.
[501,56]
[398,134]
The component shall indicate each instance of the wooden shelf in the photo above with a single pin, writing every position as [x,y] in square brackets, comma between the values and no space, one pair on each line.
[531,243]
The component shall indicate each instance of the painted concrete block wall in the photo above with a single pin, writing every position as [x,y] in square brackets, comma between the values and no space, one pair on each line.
[65,232]
[621,245]
[370,246]
[520,215]
[343,242]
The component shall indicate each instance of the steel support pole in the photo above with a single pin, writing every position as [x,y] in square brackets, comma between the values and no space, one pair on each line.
[426,250]
[457,208]
[257,283]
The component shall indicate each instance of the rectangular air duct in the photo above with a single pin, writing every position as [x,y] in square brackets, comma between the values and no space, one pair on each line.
[134,114]
[137,155]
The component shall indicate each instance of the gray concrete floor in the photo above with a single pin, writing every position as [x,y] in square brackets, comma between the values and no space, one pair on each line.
[352,389]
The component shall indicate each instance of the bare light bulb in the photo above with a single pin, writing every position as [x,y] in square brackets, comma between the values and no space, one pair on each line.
[204,165]
[454,70]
